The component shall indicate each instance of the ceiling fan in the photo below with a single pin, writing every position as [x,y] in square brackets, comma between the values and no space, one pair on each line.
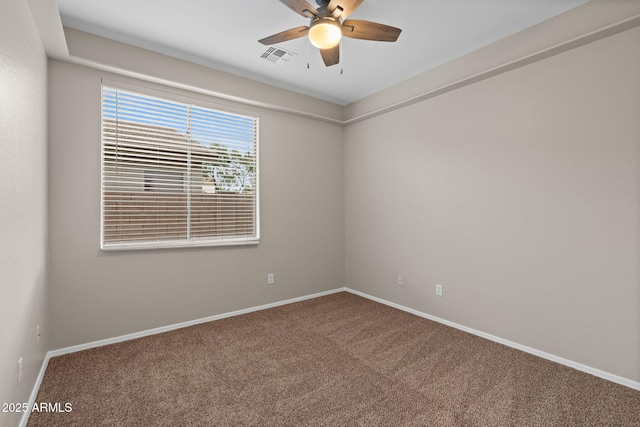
[329,24]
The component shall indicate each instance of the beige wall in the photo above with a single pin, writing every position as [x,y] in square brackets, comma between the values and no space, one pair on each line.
[521,195]
[23,202]
[98,295]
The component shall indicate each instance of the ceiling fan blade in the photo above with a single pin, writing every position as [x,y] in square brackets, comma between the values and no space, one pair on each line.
[301,7]
[286,35]
[345,7]
[331,56]
[365,30]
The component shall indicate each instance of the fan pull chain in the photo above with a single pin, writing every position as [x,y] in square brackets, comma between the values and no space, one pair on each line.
[308,53]
[342,60]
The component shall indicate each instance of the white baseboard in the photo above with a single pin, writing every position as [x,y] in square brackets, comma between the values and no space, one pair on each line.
[34,393]
[570,363]
[162,329]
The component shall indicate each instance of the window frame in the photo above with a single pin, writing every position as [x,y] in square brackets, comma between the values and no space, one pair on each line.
[187,242]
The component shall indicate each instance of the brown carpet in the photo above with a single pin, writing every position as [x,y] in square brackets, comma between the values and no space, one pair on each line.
[339,360]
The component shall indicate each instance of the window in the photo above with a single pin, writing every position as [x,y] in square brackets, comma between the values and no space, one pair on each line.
[175,174]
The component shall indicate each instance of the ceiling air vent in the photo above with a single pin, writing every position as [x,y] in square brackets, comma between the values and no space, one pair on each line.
[277,55]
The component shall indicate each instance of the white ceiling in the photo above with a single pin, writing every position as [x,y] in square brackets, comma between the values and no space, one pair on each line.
[223,35]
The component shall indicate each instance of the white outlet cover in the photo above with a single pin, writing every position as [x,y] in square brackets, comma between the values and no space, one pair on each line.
[19,370]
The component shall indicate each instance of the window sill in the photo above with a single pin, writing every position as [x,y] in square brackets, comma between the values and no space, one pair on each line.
[173,244]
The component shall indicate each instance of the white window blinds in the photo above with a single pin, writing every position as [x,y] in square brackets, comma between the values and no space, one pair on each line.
[175,174]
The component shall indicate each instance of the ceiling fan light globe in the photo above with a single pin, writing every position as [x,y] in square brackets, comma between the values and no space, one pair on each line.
[325,34]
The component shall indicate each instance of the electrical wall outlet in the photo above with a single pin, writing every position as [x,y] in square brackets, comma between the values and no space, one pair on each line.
[19,370]
[400,280]
[439,290]
[38,335]
[270,279]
